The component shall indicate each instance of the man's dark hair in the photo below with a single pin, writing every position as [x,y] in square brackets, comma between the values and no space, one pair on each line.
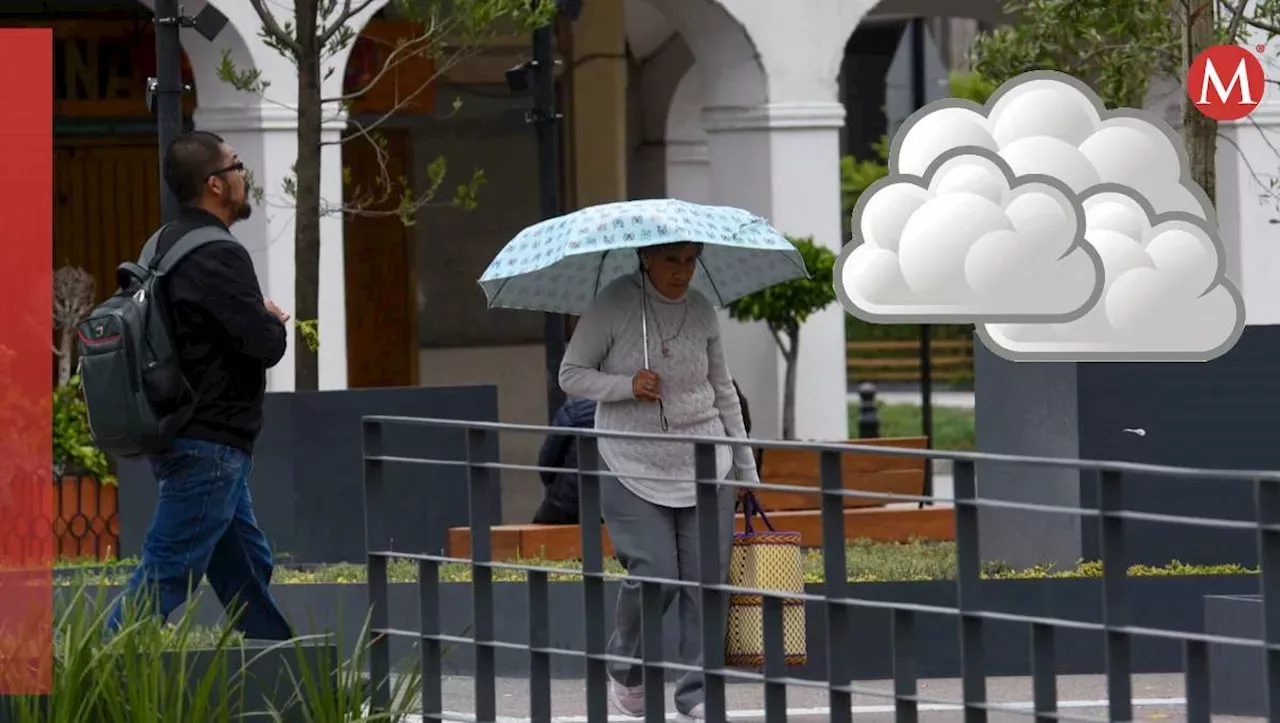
[188,163]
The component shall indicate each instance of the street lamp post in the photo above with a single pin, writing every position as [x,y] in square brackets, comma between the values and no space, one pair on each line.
[540,73]
[164,92]
[917,77]
[546,121]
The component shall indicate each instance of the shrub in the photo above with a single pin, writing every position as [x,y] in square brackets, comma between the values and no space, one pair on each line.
[73,447]
[182,672]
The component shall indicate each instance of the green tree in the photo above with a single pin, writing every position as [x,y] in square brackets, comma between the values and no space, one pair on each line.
[785,307]
[1120,46]
[449,31]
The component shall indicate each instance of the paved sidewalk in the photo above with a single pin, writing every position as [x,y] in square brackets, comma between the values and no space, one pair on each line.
[1156,697]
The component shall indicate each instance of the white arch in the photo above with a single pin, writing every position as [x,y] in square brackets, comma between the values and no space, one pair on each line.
[688,166]
[723,48]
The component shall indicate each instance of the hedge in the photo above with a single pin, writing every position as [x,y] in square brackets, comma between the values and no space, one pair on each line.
[865,561]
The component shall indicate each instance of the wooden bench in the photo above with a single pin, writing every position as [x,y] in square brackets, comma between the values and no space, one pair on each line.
[864,517]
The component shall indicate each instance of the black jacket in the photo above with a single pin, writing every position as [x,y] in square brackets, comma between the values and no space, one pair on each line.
[560,505]
[225,335]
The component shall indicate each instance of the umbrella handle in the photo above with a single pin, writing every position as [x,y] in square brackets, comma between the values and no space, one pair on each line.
[644,322]
[644,333]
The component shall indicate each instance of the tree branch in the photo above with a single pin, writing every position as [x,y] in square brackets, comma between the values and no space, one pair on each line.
[1263,26]
[363,130]
[272,27]
[397,57]
[347,13]
[778,339]
[1237,16]
[1267,186]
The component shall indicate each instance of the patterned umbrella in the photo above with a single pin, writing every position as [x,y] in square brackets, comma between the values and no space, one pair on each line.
[560,264]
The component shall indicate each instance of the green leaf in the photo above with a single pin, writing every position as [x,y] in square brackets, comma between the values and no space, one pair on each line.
[309,329]
[785,307]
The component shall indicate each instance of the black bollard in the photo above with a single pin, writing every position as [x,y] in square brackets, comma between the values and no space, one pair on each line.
[868,414]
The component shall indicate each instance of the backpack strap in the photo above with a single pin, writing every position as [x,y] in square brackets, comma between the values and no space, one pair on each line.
[149,249]
[189,242]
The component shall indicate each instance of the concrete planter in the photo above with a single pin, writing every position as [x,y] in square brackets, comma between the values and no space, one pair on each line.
[1170,603]
[1238,675]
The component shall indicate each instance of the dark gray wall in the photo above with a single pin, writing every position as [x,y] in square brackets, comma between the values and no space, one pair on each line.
[1173,604]
[307,481]
[1219,414]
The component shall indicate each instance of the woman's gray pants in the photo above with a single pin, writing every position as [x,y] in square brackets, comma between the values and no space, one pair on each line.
[661,542]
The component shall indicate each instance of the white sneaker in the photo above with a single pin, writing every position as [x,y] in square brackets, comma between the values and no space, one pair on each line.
[697,713]
[627,701]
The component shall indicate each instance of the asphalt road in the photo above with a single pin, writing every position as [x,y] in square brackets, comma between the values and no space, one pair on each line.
[1156,698]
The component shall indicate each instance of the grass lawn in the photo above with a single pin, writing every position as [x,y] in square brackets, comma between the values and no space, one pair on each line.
[865,561]
[952,427]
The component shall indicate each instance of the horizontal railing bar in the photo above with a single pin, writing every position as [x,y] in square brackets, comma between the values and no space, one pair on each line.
[766,486]
[1210,522]
[843,447]
[849,601]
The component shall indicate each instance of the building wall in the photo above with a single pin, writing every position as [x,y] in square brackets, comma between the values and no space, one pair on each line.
[516,370]
[461,340]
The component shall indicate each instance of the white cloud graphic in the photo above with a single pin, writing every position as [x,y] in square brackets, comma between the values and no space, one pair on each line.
[968,242]
[1165,295]
[1052,124]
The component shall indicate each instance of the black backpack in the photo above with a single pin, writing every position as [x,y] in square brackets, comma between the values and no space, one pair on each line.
[136,395]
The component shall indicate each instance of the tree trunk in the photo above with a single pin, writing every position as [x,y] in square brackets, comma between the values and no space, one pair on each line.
[790,355]
[307,173]
[1199,132]
[66,342]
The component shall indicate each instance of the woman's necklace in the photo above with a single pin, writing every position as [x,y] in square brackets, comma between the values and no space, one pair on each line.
[666,350]
[665,341]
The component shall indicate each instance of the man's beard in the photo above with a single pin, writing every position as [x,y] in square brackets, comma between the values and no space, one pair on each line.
[242,209]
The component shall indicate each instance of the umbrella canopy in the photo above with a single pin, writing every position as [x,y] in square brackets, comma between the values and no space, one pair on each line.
[559,265]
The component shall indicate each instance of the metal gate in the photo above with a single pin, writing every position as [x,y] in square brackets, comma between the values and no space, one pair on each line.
[1119,625]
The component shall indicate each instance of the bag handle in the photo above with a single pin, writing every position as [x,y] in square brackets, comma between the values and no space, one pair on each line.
[751,506]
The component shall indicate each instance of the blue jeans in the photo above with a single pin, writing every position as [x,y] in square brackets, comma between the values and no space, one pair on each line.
[204,525]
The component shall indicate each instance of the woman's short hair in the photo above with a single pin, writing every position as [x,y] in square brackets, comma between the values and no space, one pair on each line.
[646,250]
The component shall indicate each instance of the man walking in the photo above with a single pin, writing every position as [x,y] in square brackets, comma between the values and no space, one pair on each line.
[226,335]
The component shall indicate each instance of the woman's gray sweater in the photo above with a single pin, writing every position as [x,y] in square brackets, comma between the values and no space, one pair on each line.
[698,394]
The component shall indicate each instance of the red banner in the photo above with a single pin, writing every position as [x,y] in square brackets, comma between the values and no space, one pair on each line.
[26,298]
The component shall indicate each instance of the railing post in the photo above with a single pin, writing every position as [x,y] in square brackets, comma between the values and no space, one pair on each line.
[714,602]
[1044,672]
[835,586]
[1268,502]
[1115,603]
[432,650]
[654,681]
[379,621]
[968,599]
[539,641]
[775,660]
[481,489]
[905,687]
[589,510]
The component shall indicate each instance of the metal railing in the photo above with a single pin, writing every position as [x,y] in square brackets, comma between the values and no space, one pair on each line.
[83,522]
[1118,626]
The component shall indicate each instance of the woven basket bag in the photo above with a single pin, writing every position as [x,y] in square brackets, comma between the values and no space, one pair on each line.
[770,561]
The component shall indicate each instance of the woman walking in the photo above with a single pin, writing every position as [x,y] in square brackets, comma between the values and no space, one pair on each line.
[686,389]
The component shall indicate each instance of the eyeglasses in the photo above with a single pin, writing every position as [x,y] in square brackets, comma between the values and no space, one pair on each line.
[237,166]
